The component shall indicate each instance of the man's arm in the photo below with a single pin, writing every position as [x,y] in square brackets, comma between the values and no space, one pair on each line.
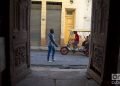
[51,38]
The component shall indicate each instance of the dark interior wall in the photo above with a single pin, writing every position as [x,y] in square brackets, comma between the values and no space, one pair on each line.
[118,71]
[4,33]
[1,19]
[4,11]
[113,41]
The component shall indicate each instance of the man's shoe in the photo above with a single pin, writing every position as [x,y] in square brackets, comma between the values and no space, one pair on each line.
[53,60]
[49,61]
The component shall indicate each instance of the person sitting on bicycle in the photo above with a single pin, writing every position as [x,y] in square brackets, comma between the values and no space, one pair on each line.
[86,43]
[76,40]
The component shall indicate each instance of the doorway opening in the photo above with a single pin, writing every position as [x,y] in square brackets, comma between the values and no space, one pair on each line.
[53,16]
[72,65]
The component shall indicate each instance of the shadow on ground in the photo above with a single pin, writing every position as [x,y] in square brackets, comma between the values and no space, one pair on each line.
[46,76]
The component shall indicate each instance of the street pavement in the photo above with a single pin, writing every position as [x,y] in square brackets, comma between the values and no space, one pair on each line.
[44,74]
[39,58]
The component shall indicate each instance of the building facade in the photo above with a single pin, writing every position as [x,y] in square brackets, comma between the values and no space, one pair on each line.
[61,15]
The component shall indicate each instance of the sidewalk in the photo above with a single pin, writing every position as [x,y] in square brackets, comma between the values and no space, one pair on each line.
[39,58]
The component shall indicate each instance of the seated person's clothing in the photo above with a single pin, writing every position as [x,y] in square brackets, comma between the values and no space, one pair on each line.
[76,37]
[76,43]
[76,40]
[85,44]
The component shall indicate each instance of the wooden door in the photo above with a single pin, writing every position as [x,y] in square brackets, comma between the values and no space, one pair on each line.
[19,39]
[69,23]
[100,13]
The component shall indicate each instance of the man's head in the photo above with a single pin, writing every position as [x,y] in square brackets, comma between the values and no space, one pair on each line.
[75,32]
[87,37]
[51,30]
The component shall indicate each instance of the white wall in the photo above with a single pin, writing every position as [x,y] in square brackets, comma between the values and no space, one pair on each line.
[83,14]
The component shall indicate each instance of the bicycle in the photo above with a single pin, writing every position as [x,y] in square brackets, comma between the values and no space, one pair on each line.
[70,47]
[66,49]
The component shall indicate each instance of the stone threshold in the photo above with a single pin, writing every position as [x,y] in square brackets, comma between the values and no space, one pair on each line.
[61,66]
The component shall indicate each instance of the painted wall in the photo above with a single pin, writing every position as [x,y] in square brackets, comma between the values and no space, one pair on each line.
[82,16]
[83,13]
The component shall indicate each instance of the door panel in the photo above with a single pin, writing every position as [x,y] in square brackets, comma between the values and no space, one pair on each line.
[19,39]
[35,24]
[69,23]
[99,28]
[54,20]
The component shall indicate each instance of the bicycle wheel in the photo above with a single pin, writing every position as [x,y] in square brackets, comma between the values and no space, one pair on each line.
[64,50]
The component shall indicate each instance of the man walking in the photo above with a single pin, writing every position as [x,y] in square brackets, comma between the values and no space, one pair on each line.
[51,45]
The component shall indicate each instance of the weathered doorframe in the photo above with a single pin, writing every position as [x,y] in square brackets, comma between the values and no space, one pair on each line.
[104,20]
[19,39]
[17,46]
